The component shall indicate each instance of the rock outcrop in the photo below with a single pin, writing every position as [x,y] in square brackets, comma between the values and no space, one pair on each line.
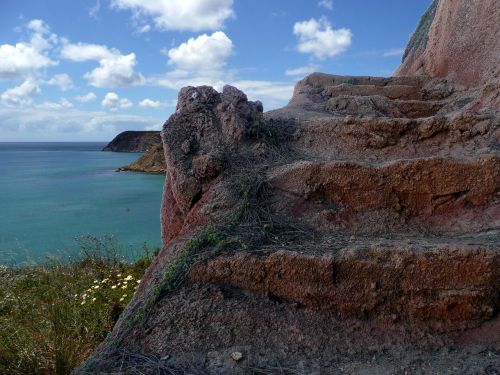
[153,161]
[134,141]
[457,40]
[356,230]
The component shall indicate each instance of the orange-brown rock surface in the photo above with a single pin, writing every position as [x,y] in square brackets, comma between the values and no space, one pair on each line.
[458,40]
[356,230]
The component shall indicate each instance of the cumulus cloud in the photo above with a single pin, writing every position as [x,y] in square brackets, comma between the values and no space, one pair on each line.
[303,70]
[115,72]
[25,59]
[89,97]
[199,61]
[318,38]
[113,102]
[148,103]
[192,15]
[63,81]
[115,69]
[327,4]
[21,95]
[80,52]
[202,53]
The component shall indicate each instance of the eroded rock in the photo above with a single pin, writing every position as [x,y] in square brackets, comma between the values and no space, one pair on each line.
[361,219]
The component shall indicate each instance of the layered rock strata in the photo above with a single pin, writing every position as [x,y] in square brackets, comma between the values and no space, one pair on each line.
[356,230]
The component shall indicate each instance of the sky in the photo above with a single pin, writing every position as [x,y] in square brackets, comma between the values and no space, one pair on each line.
[85,70]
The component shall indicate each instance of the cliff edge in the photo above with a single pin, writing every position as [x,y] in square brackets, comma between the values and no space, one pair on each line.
[457,40]
[356,230]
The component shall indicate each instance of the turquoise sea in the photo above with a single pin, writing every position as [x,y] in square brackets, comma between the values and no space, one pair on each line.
[51,193]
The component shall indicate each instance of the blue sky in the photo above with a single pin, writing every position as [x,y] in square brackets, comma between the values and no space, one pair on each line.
[85,70]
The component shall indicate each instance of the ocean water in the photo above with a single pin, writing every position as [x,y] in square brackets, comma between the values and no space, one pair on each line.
[51,193]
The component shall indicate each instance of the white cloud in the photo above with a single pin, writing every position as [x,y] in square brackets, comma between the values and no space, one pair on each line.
[327,4]
[273,94]
[86,98]
[113,102]
[319,39]
[62,104]
[202,53]
[144,29]
[394,52]
[94,10]
[80,52]
[303,70]
[193,15]
[21,95]
[175,80]
[56,122]
[115,69]
[38,26]
[115,72]
[25,59]
[199,61]
[148,103]
[63,81]
[154,127]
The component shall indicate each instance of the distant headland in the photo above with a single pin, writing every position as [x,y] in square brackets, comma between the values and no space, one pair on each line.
[134,141]
[153,161]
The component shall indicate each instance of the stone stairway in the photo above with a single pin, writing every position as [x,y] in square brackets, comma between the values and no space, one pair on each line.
[374,224]
[413,166]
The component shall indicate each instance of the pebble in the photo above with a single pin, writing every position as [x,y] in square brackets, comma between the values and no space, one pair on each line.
[236,356]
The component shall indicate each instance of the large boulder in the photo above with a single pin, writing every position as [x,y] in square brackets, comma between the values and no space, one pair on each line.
[199,138]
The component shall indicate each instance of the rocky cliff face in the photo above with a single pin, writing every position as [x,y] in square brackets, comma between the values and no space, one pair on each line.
[134,141]
[355,230]
[458,40]
[153,161]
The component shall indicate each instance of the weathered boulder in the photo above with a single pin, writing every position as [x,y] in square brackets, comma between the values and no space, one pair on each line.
[199,137]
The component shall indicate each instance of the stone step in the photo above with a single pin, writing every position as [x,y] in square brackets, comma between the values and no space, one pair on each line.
[403,92]
[327,80]
[437,195]
[372,138]
[378,106]
[445,284]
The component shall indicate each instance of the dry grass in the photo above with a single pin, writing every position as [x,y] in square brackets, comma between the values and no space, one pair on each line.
[53,315]
[134,363]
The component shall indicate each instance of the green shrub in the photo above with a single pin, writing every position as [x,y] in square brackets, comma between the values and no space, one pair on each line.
[53,315]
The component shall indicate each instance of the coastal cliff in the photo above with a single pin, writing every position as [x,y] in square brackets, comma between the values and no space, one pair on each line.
[153,161]
[355,230]
[134,141]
